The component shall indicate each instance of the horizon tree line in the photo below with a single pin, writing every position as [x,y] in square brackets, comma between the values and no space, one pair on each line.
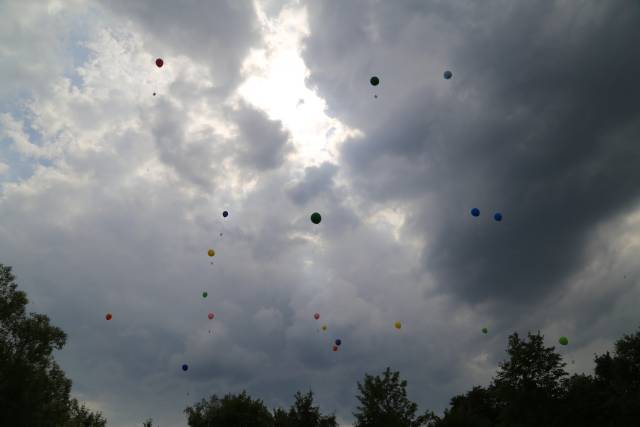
[530,388]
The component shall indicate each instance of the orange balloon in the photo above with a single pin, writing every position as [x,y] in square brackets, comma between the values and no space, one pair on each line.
[108,316]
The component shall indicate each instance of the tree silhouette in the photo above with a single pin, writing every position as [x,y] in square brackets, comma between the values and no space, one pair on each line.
[33,389]
[531,388]
[384,403]
[618,378]
[477,408]
[303,414]
[233,410]
[528,385]
[80,416]
[281,418]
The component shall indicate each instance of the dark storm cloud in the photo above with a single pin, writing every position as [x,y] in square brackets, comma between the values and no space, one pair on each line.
[218,33]
[317,180]
[191,158]
[539,122]
[263,143]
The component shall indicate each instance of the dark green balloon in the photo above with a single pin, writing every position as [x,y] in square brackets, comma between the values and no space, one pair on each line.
[563,340]
[316,218]
[375,81]
[485,330]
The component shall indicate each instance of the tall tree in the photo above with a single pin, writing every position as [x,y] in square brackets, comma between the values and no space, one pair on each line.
[477,408]
[233,410]
[33,389]
[528,385]
[618,376]
[384,403]
[303,414]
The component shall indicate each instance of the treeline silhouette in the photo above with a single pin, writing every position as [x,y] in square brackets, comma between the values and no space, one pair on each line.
[530,389]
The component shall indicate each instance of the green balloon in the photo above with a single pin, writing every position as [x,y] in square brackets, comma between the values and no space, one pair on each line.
[204,294]
[563,340]
[316,218]
[485,330]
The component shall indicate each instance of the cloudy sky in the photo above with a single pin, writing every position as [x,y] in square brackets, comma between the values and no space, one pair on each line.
[110,196]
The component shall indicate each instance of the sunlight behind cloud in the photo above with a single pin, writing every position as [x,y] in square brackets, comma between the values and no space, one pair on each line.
[275,83]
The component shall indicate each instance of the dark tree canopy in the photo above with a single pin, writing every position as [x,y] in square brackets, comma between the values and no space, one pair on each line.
[531,366]
[528,385]
[617,380]
[531,388]
[384,403]
[83,417]
[34,391]
[233,410]
[303,414]
[477,408]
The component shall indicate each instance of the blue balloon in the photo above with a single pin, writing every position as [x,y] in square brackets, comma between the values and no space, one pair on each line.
[475,212]
[448,74]
[338,341]
[497,216]
[185,367]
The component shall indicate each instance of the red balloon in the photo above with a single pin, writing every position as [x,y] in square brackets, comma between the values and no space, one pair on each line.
[210,316]
[335,348]
[159,62]
[108,316]
[316,316]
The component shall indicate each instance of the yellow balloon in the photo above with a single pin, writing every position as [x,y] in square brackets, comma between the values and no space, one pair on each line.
[398,325]
[211,252]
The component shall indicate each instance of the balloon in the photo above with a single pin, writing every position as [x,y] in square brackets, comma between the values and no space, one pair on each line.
[211,252]
[154,94]
[204,294]
[448,74]
[210,316]
[485,330]
[316,316]
[338,341]
[475,212]
[108,316]
[225,214]
[397,325]
[563,340]
[324,327]
[497,216]
[185,367]
[159,62]
[316,218]
[335,348]
[375,81]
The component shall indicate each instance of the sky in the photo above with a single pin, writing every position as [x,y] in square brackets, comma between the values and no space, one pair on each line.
[110,196]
